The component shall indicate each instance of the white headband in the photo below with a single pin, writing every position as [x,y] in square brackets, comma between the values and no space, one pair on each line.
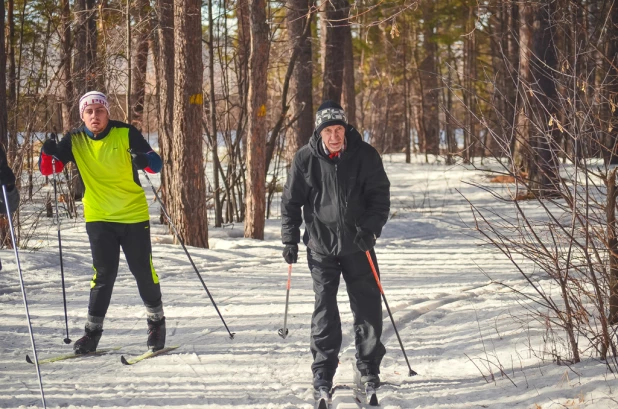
[90,98]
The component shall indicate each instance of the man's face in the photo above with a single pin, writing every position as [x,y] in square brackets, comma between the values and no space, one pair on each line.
[95,117]
[333,137]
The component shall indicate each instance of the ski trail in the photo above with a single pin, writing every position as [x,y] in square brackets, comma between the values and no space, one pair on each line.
[431,272]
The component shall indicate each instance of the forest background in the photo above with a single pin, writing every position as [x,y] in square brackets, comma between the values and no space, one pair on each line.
[226,91]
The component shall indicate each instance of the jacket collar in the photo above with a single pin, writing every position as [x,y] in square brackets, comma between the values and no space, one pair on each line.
[99,136]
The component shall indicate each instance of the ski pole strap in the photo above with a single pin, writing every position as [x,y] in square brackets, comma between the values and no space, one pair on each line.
[375,273]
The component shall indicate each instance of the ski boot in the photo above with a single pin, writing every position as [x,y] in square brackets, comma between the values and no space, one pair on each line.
[156,334]
[370,375]
[322,379]
[88,343]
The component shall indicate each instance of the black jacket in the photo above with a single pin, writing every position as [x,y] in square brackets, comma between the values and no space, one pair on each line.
[337,196]
[13,197]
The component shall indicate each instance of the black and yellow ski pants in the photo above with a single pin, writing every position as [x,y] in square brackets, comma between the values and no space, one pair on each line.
[106,239]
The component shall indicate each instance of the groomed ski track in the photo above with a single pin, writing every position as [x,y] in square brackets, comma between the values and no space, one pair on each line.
[432,273]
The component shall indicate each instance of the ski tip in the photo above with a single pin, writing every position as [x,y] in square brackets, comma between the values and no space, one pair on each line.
[373,400]
[123,360]
[67,341]
[30,361]
[283,333]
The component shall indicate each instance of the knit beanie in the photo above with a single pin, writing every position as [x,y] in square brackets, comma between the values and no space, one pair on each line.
[329,113]
[92,97]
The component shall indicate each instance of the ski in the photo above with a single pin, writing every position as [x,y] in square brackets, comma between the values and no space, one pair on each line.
[71,355]
[367,389]
[146,355]
[346,396]
[371,395]
[323,398]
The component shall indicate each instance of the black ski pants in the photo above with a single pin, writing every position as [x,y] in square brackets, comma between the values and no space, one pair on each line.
[365,302]
[106,238]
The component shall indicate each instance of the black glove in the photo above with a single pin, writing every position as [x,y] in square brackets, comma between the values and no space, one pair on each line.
[50,147]
[7,177]
[290,253]
[365,240]
[140,160]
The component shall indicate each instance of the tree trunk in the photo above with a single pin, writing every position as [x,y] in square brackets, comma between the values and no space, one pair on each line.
[5,237]
[188,185]
[255,204]
[244,51]
[543,166]
[3,108]
[467,152]
[601,148]
[610,150]
[499,37]
[451,142]
[68,101]
[348,100]
[406,96]
[141,33]
[511,72]
[334,32]
[164,10]
[213,119]
[469,74]
[79,57]
[416,92]
[95,78]
[429,78]
[302,78]
[129,59]
[612,246]
[11,100]
[611,156]
[85,75]
[522,134]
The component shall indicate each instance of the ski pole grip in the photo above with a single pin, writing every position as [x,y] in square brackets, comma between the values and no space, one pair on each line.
[54,138]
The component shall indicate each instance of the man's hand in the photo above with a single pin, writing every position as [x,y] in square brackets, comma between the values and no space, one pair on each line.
[365,240]
[7,177]
[140,160]
[290,253]
[50,147]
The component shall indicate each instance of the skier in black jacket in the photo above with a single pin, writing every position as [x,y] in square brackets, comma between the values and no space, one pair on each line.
[338,183]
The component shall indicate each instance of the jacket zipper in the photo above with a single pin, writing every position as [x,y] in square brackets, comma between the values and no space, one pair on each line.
[339,219]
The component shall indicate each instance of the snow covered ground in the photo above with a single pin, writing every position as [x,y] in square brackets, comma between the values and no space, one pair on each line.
[458,328]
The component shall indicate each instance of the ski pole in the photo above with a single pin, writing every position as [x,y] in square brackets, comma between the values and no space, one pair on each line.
[375,275]
[283,332]
[23,292]
[67,340]
[169,220]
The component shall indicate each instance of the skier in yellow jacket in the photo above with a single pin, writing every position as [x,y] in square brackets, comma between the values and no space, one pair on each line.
[108,155]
